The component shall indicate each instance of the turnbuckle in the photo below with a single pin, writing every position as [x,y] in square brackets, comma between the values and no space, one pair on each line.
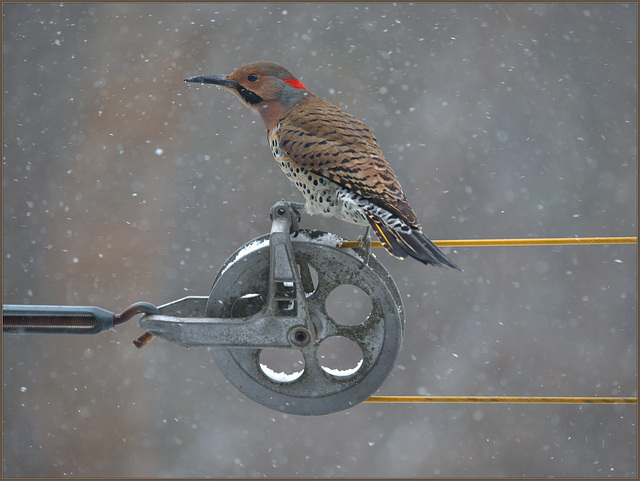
[67,319]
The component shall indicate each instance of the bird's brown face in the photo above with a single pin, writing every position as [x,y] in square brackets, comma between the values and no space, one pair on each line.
[255,83]
[266,87]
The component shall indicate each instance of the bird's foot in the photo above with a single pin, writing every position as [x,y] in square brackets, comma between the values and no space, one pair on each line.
[297,208]
[364,247]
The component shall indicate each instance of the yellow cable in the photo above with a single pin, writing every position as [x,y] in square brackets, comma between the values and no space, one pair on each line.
[502,399]
[517,242]
[509,399]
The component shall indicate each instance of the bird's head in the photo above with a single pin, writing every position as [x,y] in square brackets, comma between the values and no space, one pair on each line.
[266,87]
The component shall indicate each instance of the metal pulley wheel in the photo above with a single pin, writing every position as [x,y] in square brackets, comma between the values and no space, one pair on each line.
[241,290]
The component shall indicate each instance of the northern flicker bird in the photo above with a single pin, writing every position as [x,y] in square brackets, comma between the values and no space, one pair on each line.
[331,157]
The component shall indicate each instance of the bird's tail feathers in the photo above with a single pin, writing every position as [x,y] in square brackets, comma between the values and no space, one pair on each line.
[409,242]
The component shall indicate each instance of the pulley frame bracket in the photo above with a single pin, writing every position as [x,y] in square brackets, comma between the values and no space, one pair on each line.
[283,322]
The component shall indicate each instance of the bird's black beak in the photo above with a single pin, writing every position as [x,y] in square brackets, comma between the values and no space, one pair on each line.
[221,80]
[247,96]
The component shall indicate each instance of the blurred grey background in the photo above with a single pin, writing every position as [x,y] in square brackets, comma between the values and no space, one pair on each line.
[121,183]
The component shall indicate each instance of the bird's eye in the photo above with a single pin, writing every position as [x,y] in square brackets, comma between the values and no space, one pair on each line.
[252,77]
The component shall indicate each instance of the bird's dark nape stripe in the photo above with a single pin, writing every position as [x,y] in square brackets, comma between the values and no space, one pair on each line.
[248,95]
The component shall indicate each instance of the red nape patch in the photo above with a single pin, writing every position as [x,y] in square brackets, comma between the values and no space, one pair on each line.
[295,83]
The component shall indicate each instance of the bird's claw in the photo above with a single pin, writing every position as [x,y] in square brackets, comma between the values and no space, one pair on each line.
[296,207]
[364,248]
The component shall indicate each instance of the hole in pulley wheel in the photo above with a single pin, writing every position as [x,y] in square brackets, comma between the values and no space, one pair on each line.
[247,305]
[282,365]
[339,356]
[349,305]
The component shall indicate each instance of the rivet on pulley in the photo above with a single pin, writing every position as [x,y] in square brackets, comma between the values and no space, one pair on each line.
[299,336]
